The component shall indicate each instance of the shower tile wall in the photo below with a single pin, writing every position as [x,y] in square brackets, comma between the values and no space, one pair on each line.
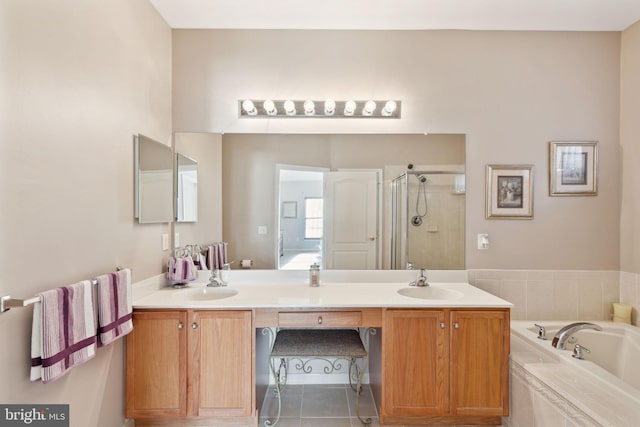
[557,294]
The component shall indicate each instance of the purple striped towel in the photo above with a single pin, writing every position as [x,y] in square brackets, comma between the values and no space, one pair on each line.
[63,331]
[181,270]
[217,255]
[115,308]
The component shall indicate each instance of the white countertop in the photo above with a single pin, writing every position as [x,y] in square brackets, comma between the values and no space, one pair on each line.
[288,290]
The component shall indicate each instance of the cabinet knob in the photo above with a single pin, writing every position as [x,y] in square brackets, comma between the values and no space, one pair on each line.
[180,325]
[456,325]
[319,320]
[441,325]
[194,325]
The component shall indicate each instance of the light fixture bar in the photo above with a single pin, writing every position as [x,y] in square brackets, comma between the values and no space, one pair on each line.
[289,108]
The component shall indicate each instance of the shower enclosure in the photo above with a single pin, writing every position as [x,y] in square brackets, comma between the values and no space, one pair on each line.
[427,214]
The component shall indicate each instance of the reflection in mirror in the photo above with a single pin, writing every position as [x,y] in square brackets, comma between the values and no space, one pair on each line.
[186,189]
[357,201]
[153,181]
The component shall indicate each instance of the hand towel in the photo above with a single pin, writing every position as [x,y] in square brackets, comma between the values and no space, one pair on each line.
[181,270]
[217,255]
[115,308]
[64,331]
[203,262]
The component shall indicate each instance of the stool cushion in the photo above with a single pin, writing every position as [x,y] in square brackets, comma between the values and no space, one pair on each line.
[318,342]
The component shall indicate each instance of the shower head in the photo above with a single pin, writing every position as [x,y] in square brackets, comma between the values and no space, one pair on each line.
[421,178]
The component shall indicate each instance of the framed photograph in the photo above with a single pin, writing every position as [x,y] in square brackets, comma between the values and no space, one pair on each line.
[289,209]
[573,168]
[509,193]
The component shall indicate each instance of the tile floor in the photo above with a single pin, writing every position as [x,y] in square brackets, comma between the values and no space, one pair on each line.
[320,406]
[316,405]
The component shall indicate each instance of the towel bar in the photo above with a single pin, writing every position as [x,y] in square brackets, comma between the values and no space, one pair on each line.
[6,302]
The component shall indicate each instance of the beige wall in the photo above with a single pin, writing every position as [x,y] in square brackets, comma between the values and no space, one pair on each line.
[630,155]
[78,79]
[206,149]
[509,92]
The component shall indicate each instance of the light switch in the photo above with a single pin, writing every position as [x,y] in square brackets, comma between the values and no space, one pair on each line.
[176,240]
[262,230]
[165,242]
[483,242]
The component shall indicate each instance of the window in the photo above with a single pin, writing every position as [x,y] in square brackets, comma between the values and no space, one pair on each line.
[313,217]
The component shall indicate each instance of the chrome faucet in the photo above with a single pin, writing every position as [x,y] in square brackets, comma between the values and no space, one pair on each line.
[216,281]
[563,334]
[421,281]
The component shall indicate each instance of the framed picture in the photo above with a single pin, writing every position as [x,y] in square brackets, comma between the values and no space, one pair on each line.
[289,209]
[573,168]
[509,193]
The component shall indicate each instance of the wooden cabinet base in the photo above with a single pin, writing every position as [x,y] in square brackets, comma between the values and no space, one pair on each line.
[195,422]
[440,421]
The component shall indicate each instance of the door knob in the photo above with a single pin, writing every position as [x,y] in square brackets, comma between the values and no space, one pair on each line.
[372,238]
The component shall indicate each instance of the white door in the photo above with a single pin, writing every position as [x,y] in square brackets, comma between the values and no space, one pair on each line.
[351,212]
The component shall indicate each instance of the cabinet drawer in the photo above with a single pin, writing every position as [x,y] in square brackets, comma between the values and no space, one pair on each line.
[320,319]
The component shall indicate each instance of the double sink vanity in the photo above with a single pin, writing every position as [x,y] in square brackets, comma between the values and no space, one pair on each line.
[438,354]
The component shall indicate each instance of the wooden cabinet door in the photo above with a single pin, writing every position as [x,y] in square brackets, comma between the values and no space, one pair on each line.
[220,353]
[415,363]
[479,363]
[156,365]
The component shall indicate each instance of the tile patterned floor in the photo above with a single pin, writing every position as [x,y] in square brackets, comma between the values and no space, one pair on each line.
[320,406]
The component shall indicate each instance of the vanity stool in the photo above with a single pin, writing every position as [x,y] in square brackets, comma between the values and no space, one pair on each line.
[317,344]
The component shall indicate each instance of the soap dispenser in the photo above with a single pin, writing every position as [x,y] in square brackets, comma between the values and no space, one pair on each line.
[314,275]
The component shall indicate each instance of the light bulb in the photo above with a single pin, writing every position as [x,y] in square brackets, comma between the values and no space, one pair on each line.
[389,108]
[249,108]
[369,108]
[309,108]
[329,107]
[349,108]
[289,108]
[269,107]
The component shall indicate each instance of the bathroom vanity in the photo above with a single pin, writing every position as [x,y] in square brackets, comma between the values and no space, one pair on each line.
[439,356]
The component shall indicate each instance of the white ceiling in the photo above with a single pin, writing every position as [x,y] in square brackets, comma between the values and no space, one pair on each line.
[542,15]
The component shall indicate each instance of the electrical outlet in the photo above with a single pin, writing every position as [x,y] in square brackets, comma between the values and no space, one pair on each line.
[483,242]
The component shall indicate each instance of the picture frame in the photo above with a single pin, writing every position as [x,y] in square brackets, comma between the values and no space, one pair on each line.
[509,192]
[289,209]
[573,168]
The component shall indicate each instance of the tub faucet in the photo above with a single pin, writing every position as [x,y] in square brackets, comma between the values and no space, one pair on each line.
[563,334]
[421,281]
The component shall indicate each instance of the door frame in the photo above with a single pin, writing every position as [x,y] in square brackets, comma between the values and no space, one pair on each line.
[280,167]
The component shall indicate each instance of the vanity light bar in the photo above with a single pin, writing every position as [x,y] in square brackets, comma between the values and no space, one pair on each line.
[271,108]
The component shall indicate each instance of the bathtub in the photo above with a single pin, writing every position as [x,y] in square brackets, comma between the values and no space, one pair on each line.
[551,388]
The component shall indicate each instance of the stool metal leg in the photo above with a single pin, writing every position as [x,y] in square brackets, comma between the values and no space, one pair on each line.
[280,385]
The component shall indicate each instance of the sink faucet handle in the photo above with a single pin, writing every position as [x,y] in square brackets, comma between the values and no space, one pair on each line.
[579,351]
[542,332]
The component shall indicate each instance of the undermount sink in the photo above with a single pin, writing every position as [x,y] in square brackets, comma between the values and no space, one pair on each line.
[430,292]
[205,294]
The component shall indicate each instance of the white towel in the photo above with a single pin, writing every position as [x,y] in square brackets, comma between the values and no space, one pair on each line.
[115,308]
[203,262]
[64,331]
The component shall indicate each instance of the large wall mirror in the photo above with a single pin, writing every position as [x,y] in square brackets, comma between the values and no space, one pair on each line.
[153,181]
[344,201]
